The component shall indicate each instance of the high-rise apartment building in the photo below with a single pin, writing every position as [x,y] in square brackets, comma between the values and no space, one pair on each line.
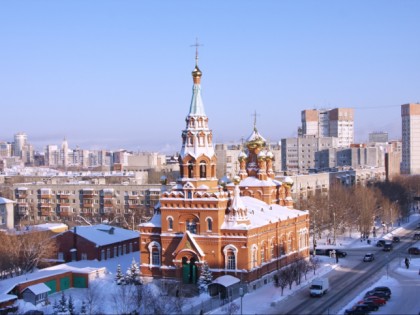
[337,122]
[410,116]
[20,141]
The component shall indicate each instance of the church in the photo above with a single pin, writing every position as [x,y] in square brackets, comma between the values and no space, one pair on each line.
[245,227]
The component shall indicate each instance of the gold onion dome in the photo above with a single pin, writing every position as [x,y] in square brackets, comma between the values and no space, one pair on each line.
[196,72]
[242,156]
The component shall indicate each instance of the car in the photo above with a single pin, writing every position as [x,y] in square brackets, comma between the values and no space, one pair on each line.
[338,252]
[358,309]
[379,294]
[369,257]
[376,299]
[416,236]
[371,304]
[387,247]
[380,243]
[396,239]
[385,289]
[414,251]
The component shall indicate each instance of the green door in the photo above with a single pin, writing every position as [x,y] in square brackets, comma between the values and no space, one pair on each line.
[194,274]
[185,273]
[52,285]
[64,283]
[79,282]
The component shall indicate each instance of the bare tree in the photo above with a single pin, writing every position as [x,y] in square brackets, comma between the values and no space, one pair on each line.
[124,299]
[93,298]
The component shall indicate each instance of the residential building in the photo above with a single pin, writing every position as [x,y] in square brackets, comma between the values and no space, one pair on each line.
[298,154]
[7,220]
[378,136]
[410,116]
[20,140]
[247,228]
[337,122]
[57,201]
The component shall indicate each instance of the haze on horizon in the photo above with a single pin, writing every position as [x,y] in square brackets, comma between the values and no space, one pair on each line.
[117,74]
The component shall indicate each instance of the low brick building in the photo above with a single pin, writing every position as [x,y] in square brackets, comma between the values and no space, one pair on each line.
[99,242]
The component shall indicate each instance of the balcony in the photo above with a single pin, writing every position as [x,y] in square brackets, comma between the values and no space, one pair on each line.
[65,211]
[21,195]
[46,196]
[133,197]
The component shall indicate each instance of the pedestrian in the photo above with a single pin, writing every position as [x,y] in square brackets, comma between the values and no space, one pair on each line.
[407,262]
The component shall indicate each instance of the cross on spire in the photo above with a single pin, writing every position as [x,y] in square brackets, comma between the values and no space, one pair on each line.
[255,119]
[197,44]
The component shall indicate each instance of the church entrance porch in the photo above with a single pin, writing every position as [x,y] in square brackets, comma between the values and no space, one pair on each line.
[189,270]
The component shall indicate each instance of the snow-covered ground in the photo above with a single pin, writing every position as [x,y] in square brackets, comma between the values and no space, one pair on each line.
[260,301]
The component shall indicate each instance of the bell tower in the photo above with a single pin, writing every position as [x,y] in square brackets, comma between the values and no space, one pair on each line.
[197,157]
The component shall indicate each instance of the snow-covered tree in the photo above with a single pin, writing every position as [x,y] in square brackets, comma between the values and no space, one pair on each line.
[62,304]
[83,310]
[70,306]
[119,277]
[133,273]
[206,277]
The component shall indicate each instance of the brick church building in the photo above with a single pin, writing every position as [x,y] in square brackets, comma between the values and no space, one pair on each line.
[246,228]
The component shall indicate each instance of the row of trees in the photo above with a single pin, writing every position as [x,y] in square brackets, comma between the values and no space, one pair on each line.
[22,252]
[356,208]
[294,272]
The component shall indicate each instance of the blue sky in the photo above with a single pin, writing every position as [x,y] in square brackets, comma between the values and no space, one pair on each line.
[117,74]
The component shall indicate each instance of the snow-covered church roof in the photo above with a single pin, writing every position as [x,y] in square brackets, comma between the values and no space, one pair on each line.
[261,213]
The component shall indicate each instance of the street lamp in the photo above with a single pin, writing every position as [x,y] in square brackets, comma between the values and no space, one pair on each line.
[241,293]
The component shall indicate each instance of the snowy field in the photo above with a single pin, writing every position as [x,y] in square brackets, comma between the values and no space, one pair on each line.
[260,301]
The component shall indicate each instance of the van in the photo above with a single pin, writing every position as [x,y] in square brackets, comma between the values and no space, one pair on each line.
[319,287]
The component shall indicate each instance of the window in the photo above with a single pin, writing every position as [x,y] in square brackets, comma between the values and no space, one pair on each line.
[203,171]
[155,256]
[60,256]
[254,257]
[130,247]
[231,260]
[108,253]
[209,224]
[84,256]
[124,249]
[170,223]
[191,226]
[103,254]
[115,251]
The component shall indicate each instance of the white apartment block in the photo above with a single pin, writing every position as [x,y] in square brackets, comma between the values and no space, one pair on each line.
[298,154]
[410,116]
[337,122]
[43,202]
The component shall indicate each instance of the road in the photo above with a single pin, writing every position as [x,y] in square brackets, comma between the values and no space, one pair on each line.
[349,281]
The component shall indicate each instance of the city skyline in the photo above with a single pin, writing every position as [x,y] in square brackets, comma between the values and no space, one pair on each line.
[111,75]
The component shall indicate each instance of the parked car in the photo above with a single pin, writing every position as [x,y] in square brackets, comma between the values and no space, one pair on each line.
[396,239]
[376,299]
[385,289]
[371,304]
[358,309]
[369,257]
[379,294]
[416,236]
[414,251]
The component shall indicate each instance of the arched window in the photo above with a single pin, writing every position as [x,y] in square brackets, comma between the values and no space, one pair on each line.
[170,223]
[272,254]
[203,170]
[191,226]
[254,259]
[230,252]
[209,224]
[262,253]
[154,253]
[190,170]
[231,261]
